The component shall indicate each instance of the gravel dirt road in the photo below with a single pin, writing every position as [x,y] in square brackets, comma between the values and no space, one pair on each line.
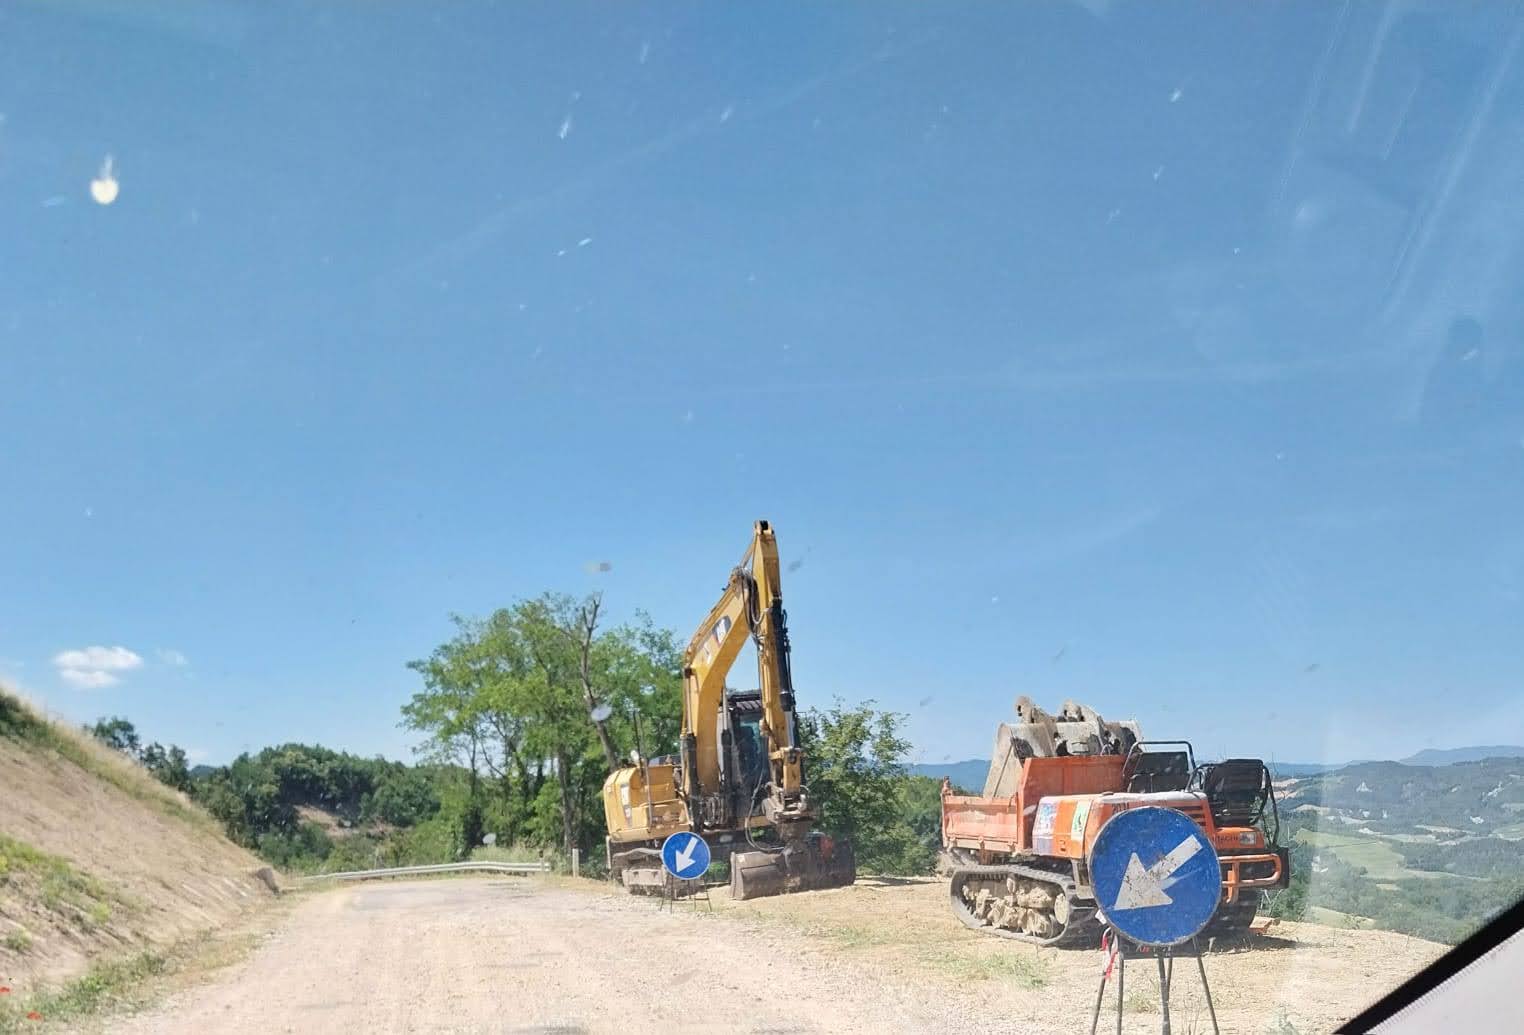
[520,955]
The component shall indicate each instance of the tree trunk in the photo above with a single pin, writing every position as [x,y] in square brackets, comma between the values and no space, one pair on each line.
[587,628]
[568,803]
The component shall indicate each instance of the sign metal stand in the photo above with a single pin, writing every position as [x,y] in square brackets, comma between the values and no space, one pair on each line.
[1165,959]
[694,890]
[1158,882]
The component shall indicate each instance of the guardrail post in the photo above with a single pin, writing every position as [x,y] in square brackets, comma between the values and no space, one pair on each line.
[576,862]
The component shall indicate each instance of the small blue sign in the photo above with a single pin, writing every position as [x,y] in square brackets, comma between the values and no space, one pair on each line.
[685,855]
[1156,875]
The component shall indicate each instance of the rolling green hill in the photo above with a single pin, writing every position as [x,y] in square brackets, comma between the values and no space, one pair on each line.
[1427,850]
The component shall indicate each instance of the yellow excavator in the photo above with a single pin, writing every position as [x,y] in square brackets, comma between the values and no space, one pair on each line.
[738,779]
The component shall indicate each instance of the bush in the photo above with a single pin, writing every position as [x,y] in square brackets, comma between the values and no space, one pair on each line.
[304,849]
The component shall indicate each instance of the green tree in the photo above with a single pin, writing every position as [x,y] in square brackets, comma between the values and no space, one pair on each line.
[168,764]
[855,767]
[118,734]
[539,701]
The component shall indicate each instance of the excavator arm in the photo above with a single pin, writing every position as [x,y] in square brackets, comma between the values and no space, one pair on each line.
[750,608]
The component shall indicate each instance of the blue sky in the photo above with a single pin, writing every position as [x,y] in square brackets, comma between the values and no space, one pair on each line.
[1165,359]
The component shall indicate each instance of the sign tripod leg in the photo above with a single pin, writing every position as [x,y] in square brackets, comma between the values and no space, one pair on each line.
[1110,938]
[1211,1010]
[1121,981]
[1164,992]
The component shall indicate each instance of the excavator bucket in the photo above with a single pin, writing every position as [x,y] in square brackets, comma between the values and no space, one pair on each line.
[809,865]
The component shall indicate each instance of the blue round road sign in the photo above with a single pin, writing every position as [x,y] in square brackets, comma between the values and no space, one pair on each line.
[1156,876]
[685,855]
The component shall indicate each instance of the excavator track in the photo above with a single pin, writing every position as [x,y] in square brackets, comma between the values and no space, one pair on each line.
[1027,906]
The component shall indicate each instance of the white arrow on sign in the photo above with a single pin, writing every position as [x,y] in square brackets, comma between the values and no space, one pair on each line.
[684,855]
[1143,887]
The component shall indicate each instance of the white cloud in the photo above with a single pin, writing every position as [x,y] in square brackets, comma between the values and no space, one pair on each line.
[87,678]
[170,656]
[91,668]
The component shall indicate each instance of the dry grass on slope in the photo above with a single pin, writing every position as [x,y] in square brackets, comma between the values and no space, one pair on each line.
[98,860]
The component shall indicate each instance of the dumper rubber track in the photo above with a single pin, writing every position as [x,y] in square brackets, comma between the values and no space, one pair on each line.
[1080,926]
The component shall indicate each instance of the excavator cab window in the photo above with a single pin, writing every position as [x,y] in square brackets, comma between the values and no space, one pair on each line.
[751,752]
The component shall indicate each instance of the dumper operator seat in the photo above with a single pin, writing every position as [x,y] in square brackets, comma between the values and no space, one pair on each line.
[1149,772]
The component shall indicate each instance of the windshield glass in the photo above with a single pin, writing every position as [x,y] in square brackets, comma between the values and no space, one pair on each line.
[414,413]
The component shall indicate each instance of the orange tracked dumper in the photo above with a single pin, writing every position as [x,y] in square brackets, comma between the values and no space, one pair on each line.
[1020,851]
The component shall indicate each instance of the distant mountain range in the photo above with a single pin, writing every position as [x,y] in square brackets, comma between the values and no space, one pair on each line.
[969,774]
[1449,756]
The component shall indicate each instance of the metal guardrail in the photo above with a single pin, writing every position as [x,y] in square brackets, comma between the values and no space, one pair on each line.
[413,871]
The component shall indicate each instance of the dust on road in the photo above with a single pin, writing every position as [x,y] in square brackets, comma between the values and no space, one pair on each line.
[521,955]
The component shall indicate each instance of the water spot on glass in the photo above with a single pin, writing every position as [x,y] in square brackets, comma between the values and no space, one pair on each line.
[566,128]
[104,188]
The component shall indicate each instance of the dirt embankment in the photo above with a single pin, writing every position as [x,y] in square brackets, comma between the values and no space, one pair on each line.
[98,860]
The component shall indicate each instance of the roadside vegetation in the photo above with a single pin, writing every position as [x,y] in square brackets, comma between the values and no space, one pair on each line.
[521,716]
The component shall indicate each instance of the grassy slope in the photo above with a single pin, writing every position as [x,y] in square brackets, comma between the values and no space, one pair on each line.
[103,871]
[18,722]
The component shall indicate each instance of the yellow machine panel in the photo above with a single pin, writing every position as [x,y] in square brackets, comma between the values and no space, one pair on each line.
[641,803]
